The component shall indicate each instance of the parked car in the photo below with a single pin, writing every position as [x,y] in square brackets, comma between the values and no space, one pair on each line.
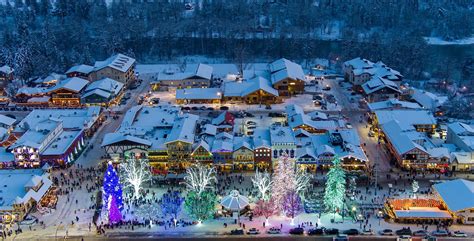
[341,237]
[268,107]
[440,233]
[420,233]
[404,231]
[194,108]
[224,108]
[351,231]
[185,108]
[274,230]
[327,88]
[210,108]
[367,232]
[316,231]
[332,231]
[253,231]
[386,232]
[459,234]
[297,231]
[251,123]
[404,238]
[251,127]
[237,232]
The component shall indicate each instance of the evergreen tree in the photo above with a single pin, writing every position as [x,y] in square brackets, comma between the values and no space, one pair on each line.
[200,206]
[335,187]
[111,186]
[114,212]
[283,178]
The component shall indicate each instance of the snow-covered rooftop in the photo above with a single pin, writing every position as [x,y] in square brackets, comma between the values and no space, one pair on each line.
[393,104]
[183,130]
[457,194]
[106,84]
[284,68]
[73,84]
[13,191]
[377,83]
[119,62]
[7,121]
[199,94]
[282,135]
[61,143]
[406,117]
[427,99]
[71,118]
[82,68]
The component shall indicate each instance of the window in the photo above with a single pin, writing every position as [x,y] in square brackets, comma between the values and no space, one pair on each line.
[275,153]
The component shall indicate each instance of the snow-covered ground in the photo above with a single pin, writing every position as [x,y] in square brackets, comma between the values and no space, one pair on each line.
[440,41]
[58,224]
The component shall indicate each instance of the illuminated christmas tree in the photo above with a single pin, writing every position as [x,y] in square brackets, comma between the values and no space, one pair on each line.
[171,205]
[200,206]
[283,181]
[292,205]
[114,213]
[335,187]
[112,187]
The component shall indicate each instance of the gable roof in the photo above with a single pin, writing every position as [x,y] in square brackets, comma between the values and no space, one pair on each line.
[457,194]
[377,83]
[400,141]
[119,62]
[183,129]
[106,84]
[113,138]
[284,68]
[73,84]
[198,94]
[204,145]
[82,68]
[6,120]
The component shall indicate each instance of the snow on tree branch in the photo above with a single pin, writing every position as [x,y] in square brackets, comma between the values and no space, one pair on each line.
[135,172]
[199,178]
[263,183]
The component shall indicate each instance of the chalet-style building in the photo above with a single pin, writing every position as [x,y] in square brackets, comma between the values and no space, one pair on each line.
[262,149]
[180,141]
[243,153]
[379,89]
[202,153]
[22,191]
[80,71]
[104,92]
[313,122]
[222,152]
[118,67]
[53,136]
[257,90]
[358,71]
[67,93]
[287,77]
[198,96]
[200,77]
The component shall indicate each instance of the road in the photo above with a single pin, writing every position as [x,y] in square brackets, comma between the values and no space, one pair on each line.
[94,153]
[375,152]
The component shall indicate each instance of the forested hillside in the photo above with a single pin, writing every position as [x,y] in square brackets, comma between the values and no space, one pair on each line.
[42,36]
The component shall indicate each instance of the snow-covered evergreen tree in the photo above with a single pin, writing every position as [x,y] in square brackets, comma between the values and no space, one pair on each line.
[335,187]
